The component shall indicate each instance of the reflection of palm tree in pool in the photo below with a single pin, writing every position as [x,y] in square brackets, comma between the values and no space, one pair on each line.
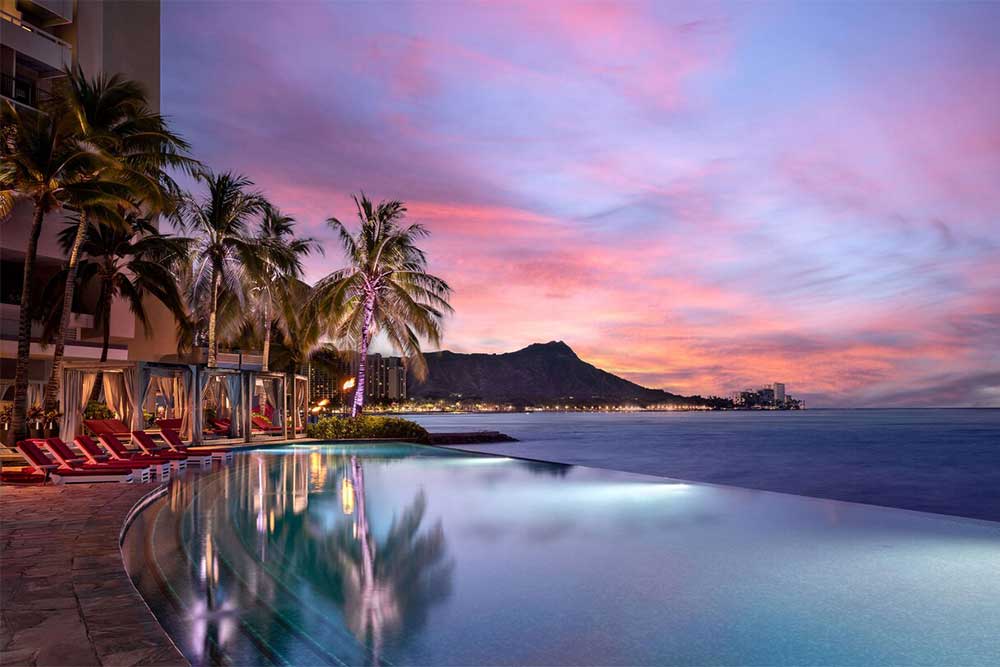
[383,586]
[389,586]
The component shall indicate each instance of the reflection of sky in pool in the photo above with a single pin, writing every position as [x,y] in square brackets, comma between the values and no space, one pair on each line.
[422,556]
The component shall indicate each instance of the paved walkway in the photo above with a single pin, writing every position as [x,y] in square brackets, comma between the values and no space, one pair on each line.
[65,598]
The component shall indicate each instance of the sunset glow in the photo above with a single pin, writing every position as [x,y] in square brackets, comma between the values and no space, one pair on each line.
[699,198]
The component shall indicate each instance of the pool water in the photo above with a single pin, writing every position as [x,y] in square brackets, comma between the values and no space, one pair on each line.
[400,554]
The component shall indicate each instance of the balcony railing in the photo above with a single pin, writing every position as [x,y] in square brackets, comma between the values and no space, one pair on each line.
[20,90]
[31,41]
[24,25]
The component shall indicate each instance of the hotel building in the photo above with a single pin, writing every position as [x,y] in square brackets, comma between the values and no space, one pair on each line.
[38,39]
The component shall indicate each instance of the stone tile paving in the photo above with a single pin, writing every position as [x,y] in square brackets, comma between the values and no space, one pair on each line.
[65,598]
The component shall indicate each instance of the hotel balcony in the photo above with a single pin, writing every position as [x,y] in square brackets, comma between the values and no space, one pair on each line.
[22,91]
[48,13]
[47,53]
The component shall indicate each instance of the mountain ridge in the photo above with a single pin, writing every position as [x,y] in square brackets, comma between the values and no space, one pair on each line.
[549,371]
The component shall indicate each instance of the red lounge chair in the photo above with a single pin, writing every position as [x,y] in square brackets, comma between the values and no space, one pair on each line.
[69,459]
[94,454]
[262,424]
[120,451]
[21,477]
[148,445]
[173,440]
[145,440]
[218,427]
[40,461]
[173,424]
[102,426]
[221,427]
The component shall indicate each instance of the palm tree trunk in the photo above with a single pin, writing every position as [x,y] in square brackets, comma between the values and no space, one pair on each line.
[359,391]
[52,388]
[267,335]
[104,311]
[19,416]
[212,350]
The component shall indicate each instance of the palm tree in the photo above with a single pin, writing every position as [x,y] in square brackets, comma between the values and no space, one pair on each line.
[385,289]
[297,329]
[278,267]
[112,114]
[223,248]
[43,161]
[128,264]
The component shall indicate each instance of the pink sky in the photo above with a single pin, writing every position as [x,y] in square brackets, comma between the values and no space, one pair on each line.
[696,197]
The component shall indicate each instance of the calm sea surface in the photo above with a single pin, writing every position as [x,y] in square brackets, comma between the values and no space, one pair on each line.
[945,461]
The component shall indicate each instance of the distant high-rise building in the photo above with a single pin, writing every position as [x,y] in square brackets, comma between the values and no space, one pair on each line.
[385,379]
[779,392]
[765,396]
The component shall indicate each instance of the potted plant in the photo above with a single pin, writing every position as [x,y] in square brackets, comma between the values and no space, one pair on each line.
[52,423]
[36,415]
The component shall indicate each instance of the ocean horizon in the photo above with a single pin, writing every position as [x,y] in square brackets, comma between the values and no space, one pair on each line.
[939,460]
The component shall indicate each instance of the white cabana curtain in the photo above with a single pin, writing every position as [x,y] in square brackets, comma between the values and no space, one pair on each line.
[36,390]
[271,391]
[128,389]
[76,389]
[234,387]
[114,395]
[165,385]
[301,402]
[184,399]
[196,402]
[224,403]
[142,383]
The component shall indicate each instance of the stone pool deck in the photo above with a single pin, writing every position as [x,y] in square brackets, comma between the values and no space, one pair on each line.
[65,598]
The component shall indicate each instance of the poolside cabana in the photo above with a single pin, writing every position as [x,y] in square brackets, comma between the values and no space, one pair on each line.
[137,393]
[223,393]
[141,394]
[269,405]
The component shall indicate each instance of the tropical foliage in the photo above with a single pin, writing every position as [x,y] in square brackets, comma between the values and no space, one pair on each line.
[98,154]
[275,275]
[224,254]
[112,114]
[367,426]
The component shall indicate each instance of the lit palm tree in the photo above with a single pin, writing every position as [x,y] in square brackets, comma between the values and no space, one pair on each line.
[112,114]
[43,161]
[385,289]
[223,247]
[278,267]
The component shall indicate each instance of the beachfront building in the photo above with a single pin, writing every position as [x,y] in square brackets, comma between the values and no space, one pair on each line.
[38,38]
[144,382]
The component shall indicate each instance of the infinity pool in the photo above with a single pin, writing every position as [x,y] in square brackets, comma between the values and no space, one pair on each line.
[399,554]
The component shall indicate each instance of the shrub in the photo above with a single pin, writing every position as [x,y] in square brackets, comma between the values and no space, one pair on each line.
[97,410]
[366,426]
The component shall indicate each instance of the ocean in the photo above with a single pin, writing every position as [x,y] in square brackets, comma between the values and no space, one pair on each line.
[931,460]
